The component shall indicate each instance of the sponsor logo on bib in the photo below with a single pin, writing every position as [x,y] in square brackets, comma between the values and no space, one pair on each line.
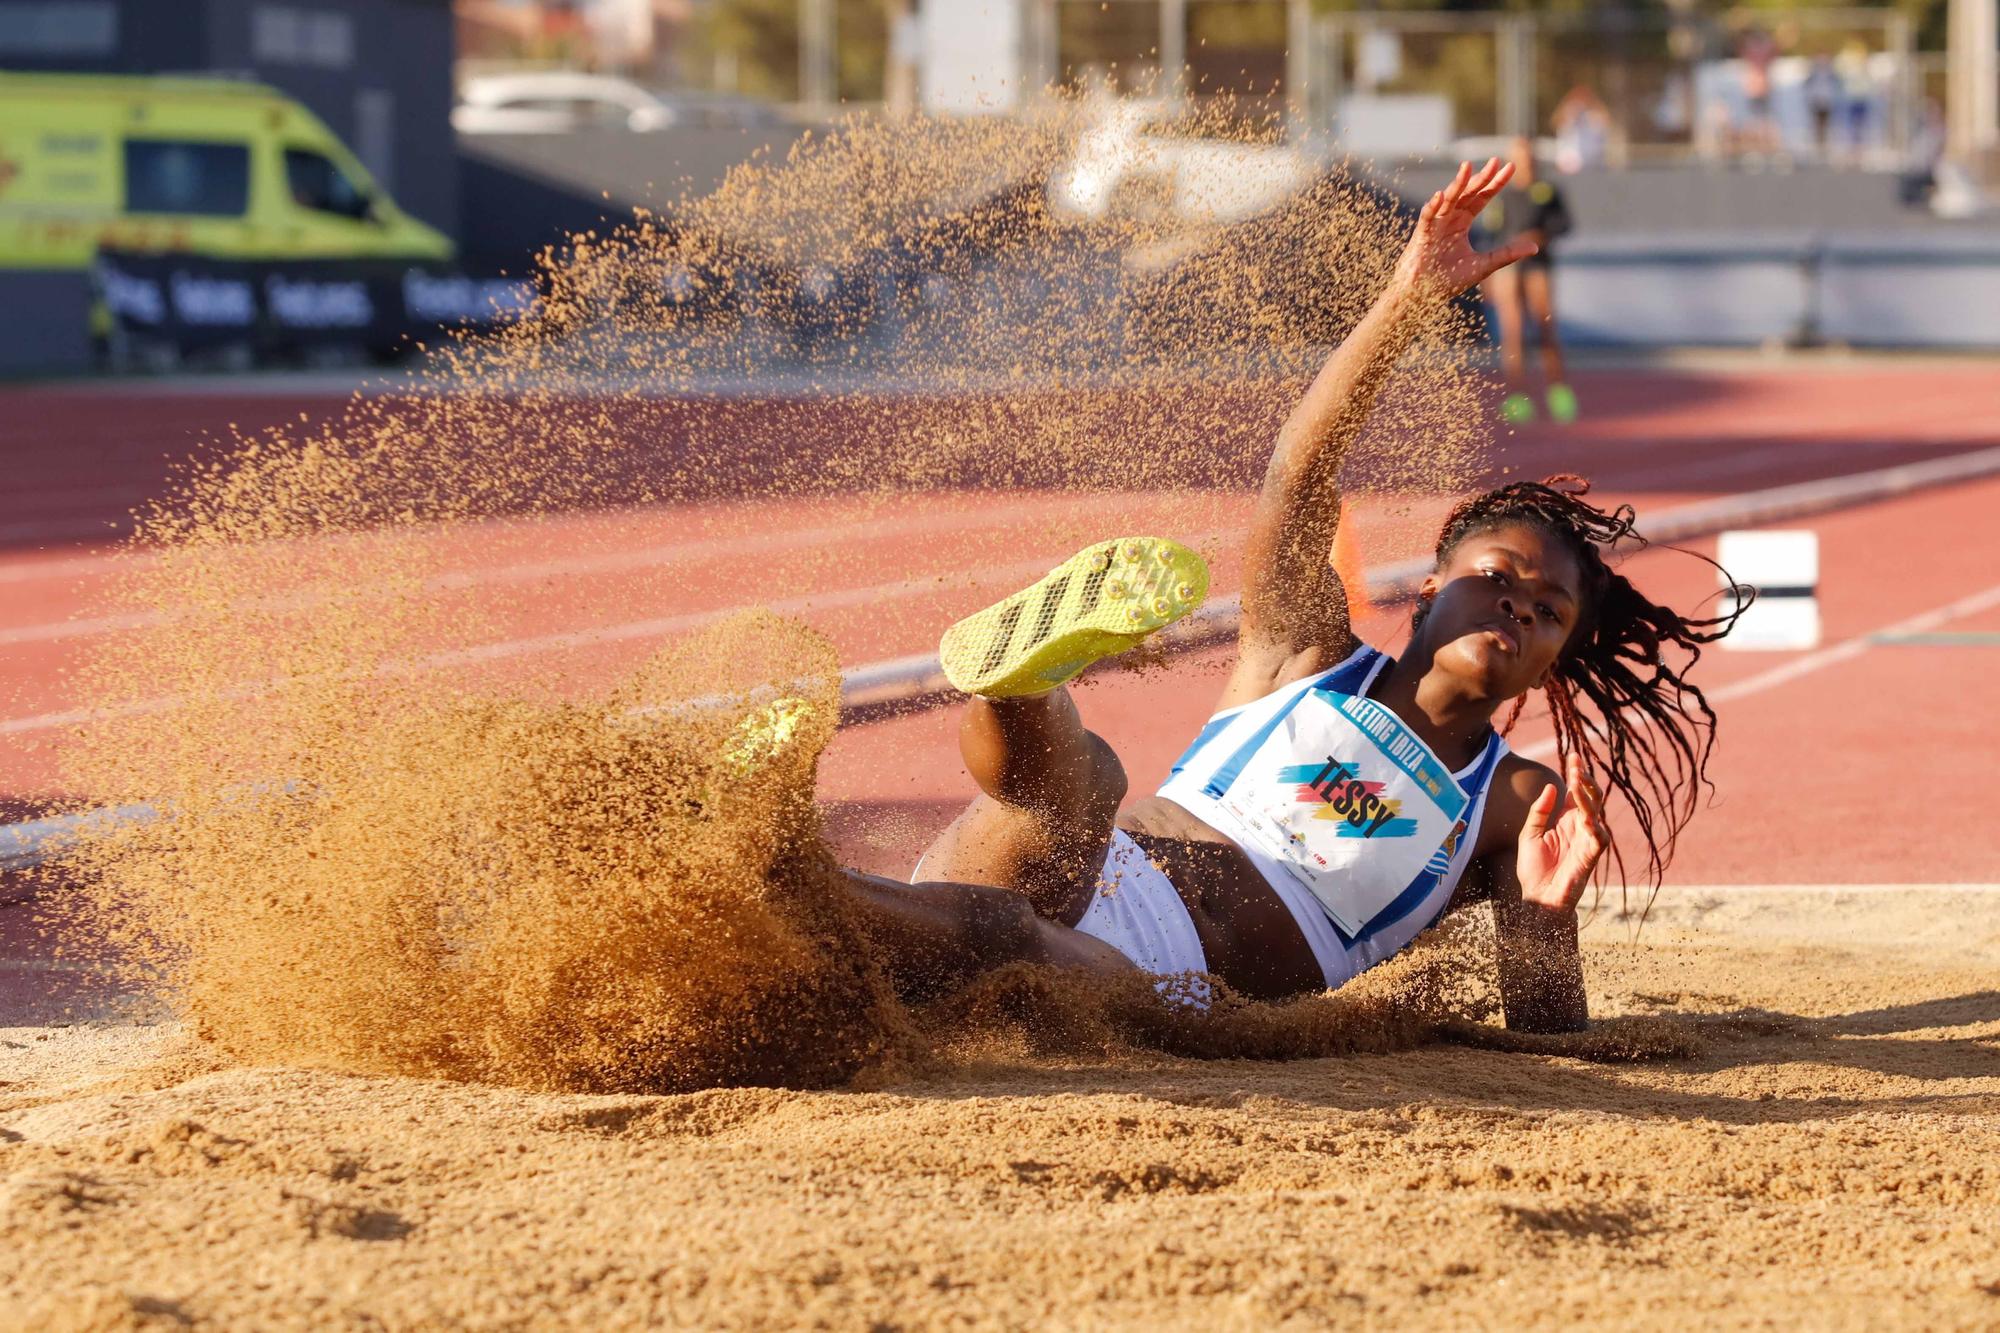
[1357,805]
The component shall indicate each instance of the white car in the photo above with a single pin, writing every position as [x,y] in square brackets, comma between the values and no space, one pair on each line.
[557,102]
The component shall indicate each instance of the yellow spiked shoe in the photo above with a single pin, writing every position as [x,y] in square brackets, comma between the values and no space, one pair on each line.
[764,733]
[1099,602]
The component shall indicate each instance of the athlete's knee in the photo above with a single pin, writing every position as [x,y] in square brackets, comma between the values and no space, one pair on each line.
[1108,782]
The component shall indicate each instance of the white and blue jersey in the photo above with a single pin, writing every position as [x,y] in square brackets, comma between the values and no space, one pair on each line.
[1208,781]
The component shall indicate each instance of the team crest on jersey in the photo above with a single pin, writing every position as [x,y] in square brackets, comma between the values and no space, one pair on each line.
[1442,861]
[1342,796]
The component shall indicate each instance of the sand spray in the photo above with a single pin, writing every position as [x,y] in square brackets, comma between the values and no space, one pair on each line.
[386,850]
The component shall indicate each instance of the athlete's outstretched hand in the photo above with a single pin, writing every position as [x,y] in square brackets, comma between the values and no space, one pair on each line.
[1439,260]
[1556,854]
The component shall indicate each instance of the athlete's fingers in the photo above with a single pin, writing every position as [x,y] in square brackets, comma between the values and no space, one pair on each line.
[1459,179]
[1476,188]
[1584,804]
[1477,185]
[1585,791]
[1473,197]
[1575,776]
[1457,186]
[1540,811]
[1492,180]
[1592,803]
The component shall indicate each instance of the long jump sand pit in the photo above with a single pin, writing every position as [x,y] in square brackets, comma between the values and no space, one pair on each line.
[1808,1136]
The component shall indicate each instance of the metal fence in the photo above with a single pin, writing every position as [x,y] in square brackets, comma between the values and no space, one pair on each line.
[1835,85]
[1844,86]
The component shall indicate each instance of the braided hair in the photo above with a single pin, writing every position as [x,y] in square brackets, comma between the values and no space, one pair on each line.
[1616,697]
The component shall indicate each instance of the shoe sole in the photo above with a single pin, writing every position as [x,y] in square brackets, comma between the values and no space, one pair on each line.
[1101,601]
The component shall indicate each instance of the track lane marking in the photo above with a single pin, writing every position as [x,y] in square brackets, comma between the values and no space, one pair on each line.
[1724,889]
[629,560]
[1832,655]
[34,570]
[656,627]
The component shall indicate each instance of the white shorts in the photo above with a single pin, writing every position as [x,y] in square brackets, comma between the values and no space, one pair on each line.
[1137,911]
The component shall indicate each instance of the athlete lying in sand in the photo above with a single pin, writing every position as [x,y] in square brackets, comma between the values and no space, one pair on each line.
[1341,801]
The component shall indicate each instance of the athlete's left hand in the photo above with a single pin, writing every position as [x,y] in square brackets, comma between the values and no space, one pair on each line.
[1439,260]
[1556,854]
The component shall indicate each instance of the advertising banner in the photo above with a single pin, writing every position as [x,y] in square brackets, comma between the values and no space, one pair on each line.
[277,306]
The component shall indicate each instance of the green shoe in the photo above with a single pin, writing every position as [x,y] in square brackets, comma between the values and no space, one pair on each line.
[762,734]
[1562,403]
[1099,602]
[1518,409]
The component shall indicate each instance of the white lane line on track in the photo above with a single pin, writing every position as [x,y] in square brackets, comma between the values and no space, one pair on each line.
[1753,461]
[69,567]
[657,627]
[613,562]
[83,626]
[1725,890]
[1832,655]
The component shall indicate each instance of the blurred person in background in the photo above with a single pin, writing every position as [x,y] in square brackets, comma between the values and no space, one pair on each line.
[1583,129]
[1759,131]
[1858,94]
[1531,208]
[1918,182]
[1823,94]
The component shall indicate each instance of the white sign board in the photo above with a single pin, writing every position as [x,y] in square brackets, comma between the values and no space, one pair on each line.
[1784,569]
[1394,124]
[971,56]
[1378,58]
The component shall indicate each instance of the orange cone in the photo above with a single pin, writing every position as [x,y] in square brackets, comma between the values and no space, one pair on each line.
[1347,564]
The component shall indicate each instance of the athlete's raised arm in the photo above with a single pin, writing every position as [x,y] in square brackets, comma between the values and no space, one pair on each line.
[1293,601]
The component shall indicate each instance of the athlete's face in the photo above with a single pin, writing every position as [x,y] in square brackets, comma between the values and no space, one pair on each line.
[1502,607]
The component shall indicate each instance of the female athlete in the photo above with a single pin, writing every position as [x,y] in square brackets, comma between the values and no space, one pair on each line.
[1341,801]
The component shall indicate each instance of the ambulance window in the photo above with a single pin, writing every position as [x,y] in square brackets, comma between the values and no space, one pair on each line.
[317,183]
[171,176]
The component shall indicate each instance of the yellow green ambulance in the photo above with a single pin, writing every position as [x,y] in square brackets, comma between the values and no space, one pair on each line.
[209,167]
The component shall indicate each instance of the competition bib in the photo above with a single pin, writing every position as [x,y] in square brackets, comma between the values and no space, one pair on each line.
[1348,800]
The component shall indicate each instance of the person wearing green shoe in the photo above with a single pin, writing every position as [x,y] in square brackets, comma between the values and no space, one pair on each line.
[1340,801]
[1529,209]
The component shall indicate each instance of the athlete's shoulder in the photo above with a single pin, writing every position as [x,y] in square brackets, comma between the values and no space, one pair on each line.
[1516,784]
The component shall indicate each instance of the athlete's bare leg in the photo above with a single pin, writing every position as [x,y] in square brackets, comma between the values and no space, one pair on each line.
[1049,792]
[1539,295]
[1503,289]
[932,938]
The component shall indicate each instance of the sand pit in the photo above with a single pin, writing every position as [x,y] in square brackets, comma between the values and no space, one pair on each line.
[481,967]
[1825,1153]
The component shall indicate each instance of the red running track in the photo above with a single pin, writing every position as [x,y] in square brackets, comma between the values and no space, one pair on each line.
[880,575]
[1861,763]
[74,460]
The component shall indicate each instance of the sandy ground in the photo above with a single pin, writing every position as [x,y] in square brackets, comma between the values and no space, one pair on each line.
[1826,1154]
